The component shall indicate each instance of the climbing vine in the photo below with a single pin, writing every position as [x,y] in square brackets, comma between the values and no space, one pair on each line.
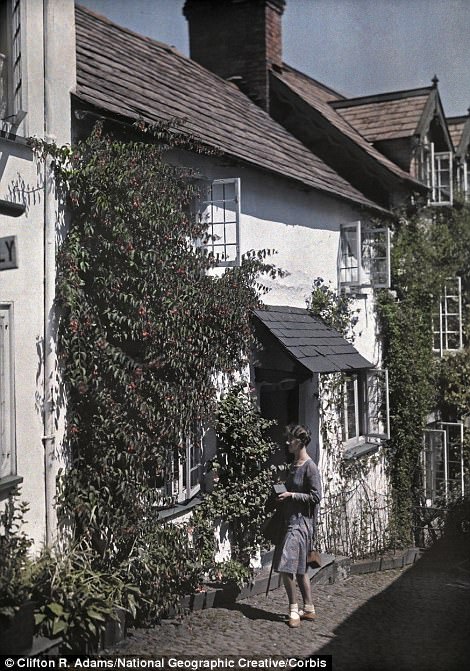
[242,483]
[353,519]
[429,246]
[145,336]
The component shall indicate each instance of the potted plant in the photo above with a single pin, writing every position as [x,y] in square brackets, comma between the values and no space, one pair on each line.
[16,608]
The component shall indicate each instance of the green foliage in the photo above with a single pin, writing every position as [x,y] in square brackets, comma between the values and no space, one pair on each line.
[15,583]
[243,480]
[428,247]
[75,599]
[145,334]
[333,308]
[230,571]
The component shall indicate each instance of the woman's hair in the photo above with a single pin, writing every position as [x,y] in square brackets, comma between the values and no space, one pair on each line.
[300,432]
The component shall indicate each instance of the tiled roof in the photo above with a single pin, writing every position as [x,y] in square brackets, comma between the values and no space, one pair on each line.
[130,75]
[456,126]
[385,116]
[316,346]
[324,100]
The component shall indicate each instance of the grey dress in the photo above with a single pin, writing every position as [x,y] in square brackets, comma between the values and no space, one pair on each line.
[299,518]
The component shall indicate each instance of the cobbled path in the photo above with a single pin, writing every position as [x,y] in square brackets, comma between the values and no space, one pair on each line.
[417,618]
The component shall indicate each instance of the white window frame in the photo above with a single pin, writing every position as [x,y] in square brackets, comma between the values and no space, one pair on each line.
[10,55]
[365,416]
[442,195]
[182,467]
[429,458]
[213,242]
[462,178]
[8,466]
[441,316]
[353,259]
[430,173]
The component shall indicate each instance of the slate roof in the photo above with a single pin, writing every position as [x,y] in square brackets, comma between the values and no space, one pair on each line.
[126,74]
[310,341]
[385,116]
[324,101]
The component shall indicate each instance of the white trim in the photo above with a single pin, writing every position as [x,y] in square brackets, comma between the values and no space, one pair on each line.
[7,394]
[205,212]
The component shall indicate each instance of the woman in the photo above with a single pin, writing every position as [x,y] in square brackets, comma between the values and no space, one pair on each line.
[297,507]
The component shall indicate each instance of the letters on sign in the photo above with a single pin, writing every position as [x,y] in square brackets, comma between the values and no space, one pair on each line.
[8,253]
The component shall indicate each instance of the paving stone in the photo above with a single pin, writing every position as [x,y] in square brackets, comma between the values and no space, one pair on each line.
[415,618]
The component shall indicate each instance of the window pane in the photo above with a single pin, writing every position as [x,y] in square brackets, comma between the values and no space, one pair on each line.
[350,419]
[375,256]
[349,262]
[220,213]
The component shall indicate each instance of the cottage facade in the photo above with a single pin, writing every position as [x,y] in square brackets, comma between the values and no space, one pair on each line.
[300,169]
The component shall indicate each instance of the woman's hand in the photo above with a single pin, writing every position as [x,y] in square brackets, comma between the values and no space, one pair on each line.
[284,495]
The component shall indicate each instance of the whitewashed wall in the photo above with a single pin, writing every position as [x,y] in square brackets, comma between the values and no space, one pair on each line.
[48,76]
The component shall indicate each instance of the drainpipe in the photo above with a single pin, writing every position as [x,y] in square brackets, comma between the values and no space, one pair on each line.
[48,438]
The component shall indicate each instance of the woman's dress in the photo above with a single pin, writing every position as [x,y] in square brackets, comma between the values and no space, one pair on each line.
[298,514]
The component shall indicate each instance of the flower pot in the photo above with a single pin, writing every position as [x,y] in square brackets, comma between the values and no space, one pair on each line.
[16,634]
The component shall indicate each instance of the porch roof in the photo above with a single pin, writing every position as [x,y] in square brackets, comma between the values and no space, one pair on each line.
[316,346]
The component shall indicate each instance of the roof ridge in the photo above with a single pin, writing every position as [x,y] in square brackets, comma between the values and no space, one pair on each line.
[380,97]
[326,88]
[124,29]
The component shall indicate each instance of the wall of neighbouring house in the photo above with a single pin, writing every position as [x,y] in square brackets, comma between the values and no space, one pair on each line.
[48,75]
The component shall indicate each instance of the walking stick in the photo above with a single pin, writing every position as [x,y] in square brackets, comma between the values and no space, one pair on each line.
[270,574]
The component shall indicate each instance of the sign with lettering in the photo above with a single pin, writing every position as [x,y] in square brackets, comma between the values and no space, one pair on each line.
[8,253]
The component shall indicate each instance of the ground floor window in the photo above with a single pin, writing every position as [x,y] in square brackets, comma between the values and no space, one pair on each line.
[7,406]
[443,461]
[365,415]
[182,476]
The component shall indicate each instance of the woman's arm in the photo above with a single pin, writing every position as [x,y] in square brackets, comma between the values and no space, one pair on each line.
[312,486]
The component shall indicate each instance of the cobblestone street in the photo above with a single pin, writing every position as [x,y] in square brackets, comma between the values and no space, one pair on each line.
[415,618]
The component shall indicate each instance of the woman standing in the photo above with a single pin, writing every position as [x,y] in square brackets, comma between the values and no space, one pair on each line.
[298,504]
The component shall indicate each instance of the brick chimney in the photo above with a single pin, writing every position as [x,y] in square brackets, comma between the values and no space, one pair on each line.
[239,40]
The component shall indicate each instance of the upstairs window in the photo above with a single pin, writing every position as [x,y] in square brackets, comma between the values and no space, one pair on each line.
[7,417]
[435,170]
[443,462]
[463,176]
[219,209]
[10,61]
[364,256]
[447,318]
[365,414]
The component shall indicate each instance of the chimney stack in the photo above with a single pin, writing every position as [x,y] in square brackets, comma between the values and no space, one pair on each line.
[239,40]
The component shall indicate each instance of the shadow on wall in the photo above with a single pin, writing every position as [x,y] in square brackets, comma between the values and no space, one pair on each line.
[420,623]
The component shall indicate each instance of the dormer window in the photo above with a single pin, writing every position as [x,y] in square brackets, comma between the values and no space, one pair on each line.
[435,170]
[364,256]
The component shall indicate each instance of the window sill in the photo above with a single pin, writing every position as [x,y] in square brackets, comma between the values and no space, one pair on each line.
[359,449]
[9,483]
[179,509]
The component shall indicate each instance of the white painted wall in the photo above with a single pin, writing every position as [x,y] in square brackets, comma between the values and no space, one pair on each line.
[48,76]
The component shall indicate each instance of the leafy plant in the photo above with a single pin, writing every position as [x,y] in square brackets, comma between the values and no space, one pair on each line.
[243,480]
[230,571]
[75,599]
[429,246]
[146,334]
[15,580]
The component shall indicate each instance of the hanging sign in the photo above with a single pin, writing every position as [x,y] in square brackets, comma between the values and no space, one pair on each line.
[8,253]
